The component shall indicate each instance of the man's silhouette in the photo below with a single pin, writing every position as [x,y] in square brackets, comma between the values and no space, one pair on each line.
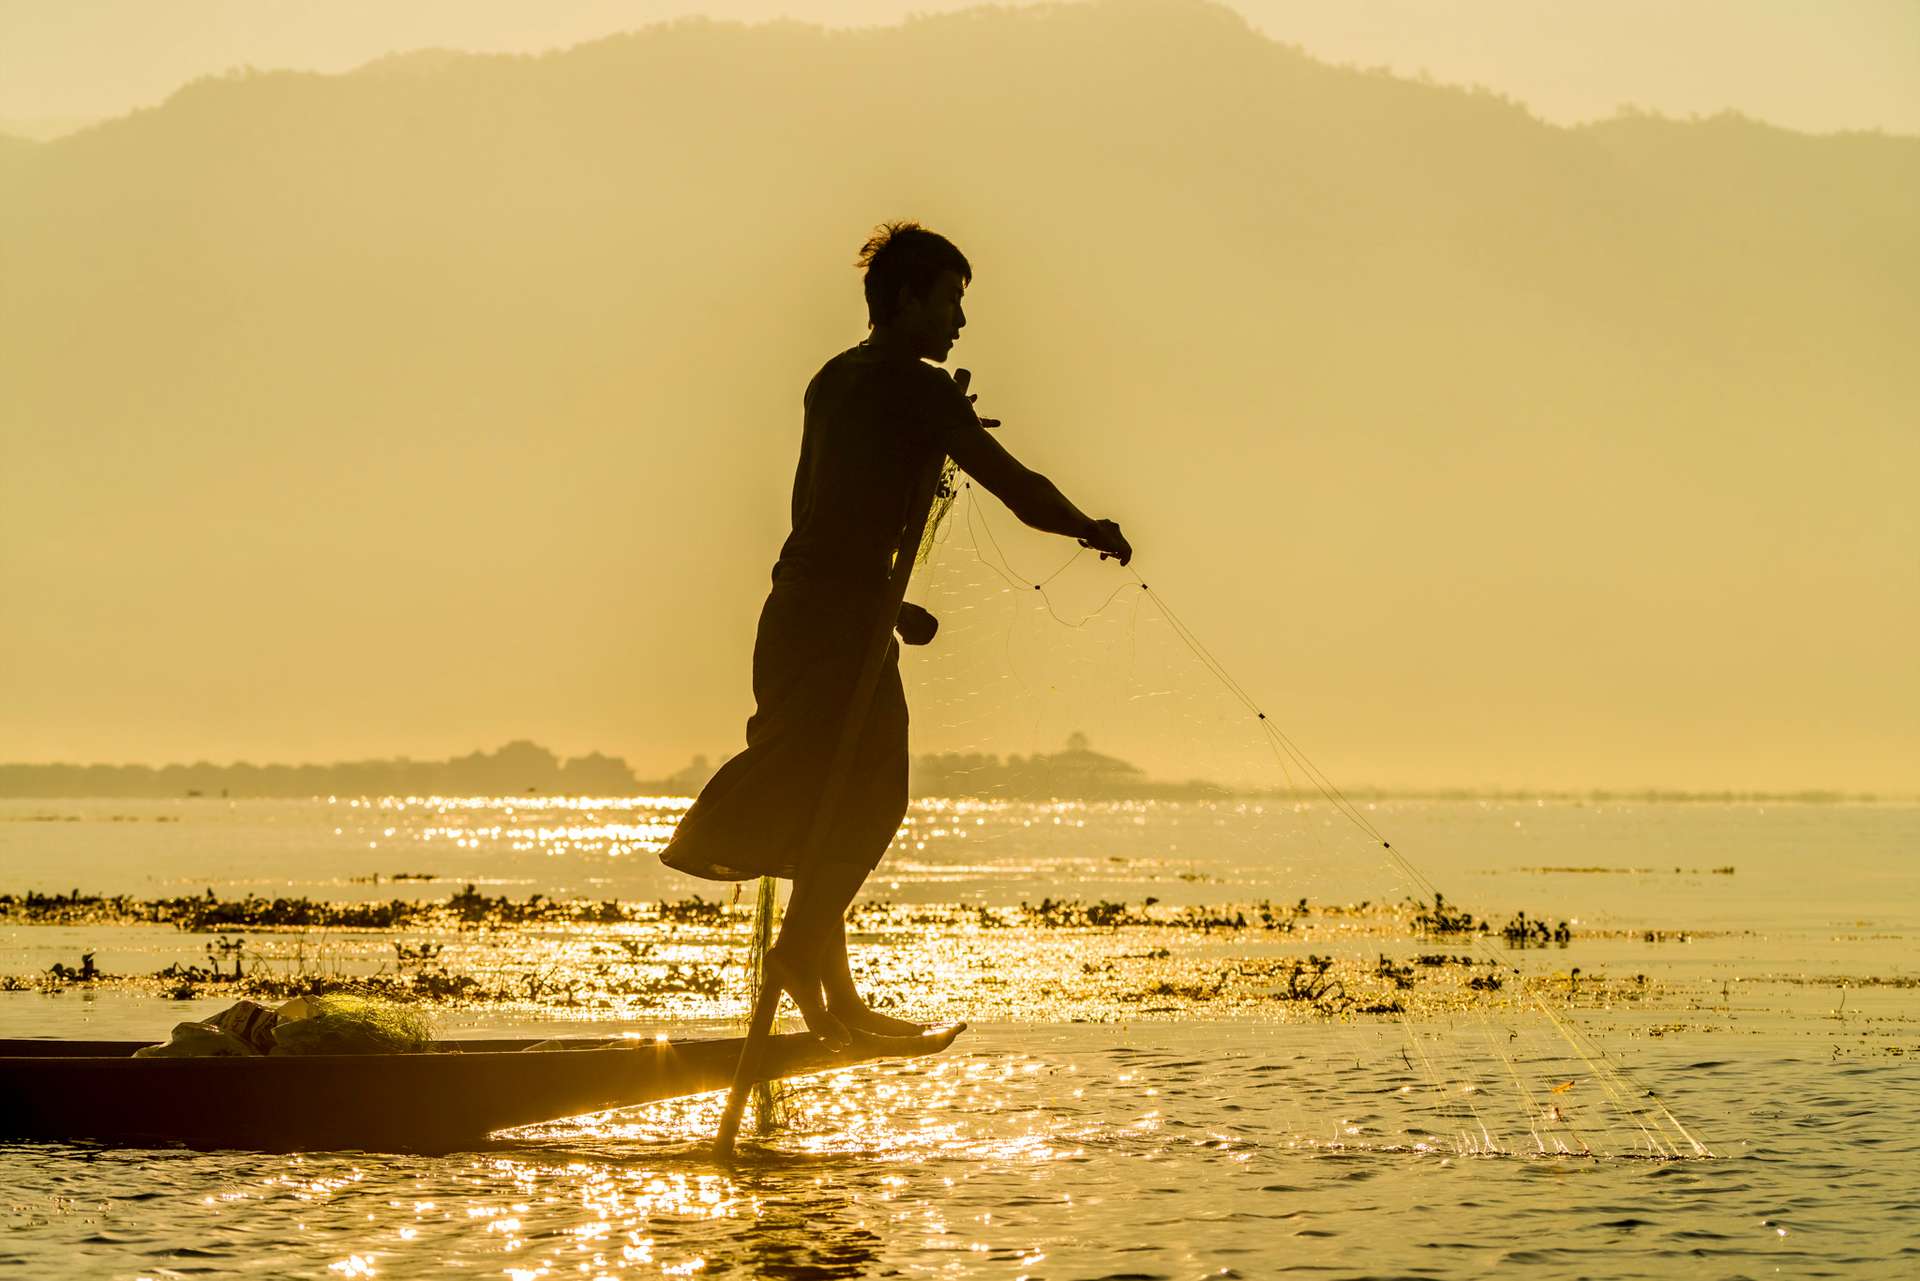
[879,425]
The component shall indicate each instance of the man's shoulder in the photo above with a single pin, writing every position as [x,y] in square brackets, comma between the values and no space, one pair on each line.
[883,374]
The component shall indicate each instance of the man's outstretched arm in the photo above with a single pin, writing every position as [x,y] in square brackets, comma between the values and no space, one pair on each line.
[1031,497]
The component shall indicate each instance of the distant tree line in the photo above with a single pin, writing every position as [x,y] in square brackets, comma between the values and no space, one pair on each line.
[519,767]
[522,766]
[1075,773]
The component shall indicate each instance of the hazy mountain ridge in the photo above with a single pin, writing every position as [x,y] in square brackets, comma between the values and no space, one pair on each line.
[16,150]
[356,348]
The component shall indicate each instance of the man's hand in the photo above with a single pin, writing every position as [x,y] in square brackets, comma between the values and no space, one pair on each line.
[915,625]
[961,379]
[1104,536]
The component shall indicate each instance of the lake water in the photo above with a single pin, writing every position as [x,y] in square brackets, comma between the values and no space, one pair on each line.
[1157,1097]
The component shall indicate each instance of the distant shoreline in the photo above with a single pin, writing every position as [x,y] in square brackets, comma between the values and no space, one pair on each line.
[524,768]
[1173,793]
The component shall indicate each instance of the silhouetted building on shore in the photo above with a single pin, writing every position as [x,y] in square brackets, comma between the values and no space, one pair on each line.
[689,778]
[1075,773]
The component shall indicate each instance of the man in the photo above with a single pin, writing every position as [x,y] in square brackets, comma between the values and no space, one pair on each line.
[879,425]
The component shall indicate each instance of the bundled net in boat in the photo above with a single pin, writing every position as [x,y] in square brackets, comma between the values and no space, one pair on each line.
[343,1023]
[1068,720]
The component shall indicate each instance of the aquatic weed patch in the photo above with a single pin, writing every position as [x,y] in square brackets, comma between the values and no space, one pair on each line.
[1072,959]
[467,907]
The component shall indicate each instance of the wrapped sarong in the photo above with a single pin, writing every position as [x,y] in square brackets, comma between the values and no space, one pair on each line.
[755,815]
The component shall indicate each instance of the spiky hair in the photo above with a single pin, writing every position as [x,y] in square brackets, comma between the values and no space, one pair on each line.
[905,255]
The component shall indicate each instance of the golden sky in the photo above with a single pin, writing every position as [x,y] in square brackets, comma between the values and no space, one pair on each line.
[447,403]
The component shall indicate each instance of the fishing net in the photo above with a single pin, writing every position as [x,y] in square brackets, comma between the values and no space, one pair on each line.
[769,1109]
[346,1024]
[1068,719]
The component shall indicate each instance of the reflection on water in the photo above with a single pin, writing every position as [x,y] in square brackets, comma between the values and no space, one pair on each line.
[1744,866]
[1061,1152]
[1212,1116]
[560,825]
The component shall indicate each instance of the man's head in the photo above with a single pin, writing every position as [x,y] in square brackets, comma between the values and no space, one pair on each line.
[914,282]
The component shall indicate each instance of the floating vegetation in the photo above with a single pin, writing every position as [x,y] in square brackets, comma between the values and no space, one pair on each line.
[1521,932]
[1057,958]
[1072,914]
[1442,919]
[1898,982]
[84,973]
[540,985]
[1307,980]
[468,907]
[1628,871]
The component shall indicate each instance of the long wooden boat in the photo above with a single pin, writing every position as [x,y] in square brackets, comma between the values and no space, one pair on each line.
[429,1102]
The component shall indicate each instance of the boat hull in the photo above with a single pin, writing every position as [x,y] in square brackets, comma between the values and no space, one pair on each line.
[437,1101]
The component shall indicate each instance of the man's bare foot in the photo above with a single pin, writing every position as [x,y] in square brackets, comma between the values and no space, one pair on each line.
[858,1016]
[867,1023]
[928,1040]
[806,992]
[846,1003]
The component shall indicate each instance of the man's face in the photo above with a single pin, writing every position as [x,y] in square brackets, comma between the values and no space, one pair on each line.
[935,321]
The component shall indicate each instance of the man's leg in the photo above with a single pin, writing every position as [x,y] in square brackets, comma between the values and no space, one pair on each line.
[844,1000]
[799,960]
[814,935]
